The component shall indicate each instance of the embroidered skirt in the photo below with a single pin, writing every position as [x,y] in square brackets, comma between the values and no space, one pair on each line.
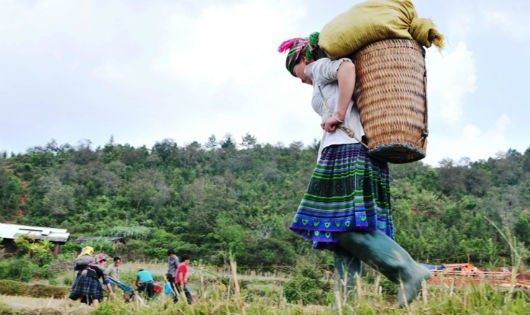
[86,288]
[348,191]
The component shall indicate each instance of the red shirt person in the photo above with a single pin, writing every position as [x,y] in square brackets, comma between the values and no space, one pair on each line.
[181,278]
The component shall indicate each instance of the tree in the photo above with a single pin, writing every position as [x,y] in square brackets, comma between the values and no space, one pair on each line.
[212,143]
[59,200]
[166,149]
[522,229]
[227,143]
[451,177]
[248,141]
[10,194]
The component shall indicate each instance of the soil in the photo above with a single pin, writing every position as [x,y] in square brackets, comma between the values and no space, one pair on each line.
[45,306]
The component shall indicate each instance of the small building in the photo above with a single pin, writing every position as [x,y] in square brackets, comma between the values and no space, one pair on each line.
[9,232]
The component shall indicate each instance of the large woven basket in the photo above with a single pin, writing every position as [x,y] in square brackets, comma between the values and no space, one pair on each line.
[390,92]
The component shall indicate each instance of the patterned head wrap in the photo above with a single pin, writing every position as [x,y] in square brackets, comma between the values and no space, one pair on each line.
[101,257]
[296,46]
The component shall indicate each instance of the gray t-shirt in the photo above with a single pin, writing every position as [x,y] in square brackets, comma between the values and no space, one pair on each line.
[323,72]
[172,265]
[113,272]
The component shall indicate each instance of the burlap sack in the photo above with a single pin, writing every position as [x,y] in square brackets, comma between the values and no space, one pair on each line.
[375,20]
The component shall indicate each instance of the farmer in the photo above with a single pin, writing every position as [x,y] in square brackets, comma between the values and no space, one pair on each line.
[87,287]
[346,207]
[172,264]
[113,270]
[145,282]
[182,278]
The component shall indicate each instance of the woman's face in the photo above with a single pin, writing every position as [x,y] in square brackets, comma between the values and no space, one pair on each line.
[299,72]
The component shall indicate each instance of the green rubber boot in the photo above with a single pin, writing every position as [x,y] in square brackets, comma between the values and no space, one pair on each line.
[384,254]
[347,268]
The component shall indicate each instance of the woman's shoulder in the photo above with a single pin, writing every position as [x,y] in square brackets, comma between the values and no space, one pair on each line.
[327,63]
[324,70]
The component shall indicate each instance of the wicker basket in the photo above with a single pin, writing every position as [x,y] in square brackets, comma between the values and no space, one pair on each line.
[390,92]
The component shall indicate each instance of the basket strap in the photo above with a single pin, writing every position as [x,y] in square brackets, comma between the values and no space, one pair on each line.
[351,134]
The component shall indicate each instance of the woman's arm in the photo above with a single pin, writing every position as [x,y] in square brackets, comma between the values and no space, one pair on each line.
[346,81]
[103,275]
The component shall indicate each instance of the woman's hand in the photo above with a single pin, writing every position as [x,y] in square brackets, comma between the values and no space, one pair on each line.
[330,124]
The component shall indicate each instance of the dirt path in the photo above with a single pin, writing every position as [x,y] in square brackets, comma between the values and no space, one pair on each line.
[44,306]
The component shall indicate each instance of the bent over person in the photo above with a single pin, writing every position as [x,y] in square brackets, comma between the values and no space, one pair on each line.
[346,208]
[145,282]
[87,287]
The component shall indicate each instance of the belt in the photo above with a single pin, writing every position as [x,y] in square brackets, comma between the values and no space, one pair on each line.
[146,282]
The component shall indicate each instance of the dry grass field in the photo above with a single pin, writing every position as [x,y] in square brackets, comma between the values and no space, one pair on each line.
[262,294]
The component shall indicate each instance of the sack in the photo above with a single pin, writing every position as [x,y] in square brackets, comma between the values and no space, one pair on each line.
[82,262]
[375,20]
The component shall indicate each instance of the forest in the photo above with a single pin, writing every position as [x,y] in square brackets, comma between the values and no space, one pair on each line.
[225,198]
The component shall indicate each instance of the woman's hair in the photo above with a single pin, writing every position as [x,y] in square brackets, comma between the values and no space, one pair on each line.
[318,53]
[299,47]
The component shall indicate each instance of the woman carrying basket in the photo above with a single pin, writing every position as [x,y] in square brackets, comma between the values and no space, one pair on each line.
[346,207]
[86,287]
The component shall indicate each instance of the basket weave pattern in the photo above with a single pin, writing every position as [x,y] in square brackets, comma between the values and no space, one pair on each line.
[390,92]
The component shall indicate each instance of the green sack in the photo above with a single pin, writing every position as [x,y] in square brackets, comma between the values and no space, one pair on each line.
[375,20]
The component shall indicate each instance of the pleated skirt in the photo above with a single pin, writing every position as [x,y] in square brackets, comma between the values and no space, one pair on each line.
[348,191]
[86,288]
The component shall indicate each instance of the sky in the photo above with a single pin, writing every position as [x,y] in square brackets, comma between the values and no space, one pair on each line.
[139,72]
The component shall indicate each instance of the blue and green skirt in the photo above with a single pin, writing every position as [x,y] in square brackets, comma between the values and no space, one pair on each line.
[348,191]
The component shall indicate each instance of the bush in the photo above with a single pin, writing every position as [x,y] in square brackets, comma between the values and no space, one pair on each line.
[6,310]
[100,245]
[10,287]
[21,269]
[307,286]
[68,281]
[42,258]
[41,290]
[130,232]
[135,249]
[60,265]
[267,254]
[70,249]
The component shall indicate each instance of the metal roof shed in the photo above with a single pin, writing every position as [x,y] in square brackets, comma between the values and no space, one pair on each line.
[11,231]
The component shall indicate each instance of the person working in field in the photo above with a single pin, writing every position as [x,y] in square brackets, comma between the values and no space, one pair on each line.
[145,282]
[87,287]
[182,278]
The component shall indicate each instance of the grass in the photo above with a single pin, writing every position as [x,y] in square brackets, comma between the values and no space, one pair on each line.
[223,301]
[226,292]
[437,300]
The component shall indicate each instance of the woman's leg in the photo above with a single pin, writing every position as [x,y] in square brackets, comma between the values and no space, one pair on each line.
[95,302]
[384,254]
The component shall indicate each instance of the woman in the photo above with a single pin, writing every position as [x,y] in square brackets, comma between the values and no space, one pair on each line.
[346,207]
[87,287]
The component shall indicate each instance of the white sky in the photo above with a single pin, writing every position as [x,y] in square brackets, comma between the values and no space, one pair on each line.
[143,71]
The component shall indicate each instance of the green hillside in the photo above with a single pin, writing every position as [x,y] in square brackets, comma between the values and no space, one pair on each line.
[220,197]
